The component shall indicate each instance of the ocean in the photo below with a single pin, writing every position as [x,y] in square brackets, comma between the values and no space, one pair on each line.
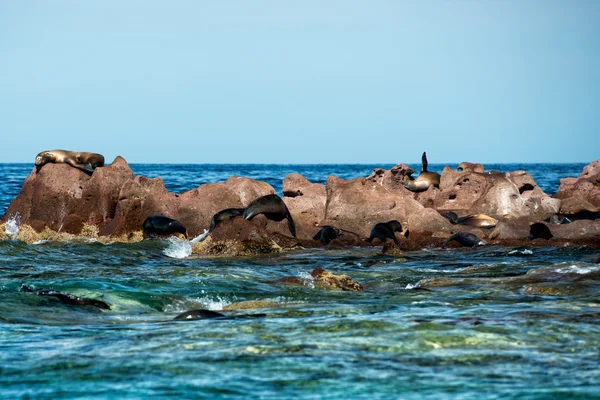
[502,322]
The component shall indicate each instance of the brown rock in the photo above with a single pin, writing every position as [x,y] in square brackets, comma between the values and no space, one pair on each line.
[581,193]
[196,207]
[357,205]
[306,202]
[499,195]
[237,237]
[470,167]
[326,280]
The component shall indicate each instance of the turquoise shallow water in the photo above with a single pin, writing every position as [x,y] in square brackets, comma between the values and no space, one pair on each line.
[490,331]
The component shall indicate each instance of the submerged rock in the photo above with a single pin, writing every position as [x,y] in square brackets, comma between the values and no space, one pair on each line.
[322,279]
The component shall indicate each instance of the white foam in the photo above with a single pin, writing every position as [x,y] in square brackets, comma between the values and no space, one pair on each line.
[525,251]
[575,269]
[411,286]
[177,248]
[43,241]
[307,279]
[13,224]
[201,237]
[206,302]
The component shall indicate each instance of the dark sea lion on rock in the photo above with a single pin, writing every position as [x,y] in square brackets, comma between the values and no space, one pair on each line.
[67,298]
[466,239]
[194,315]
[161,225]
[327,234]
[83,161]
[272,207]
[224,215]
[539,231]
[424,180]
[385,231]
[477,220]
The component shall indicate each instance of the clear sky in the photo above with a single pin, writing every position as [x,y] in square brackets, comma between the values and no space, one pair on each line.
[301,81]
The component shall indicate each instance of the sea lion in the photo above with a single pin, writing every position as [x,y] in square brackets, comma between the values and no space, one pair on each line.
[161,225]
[327,234]
[83,161]
[272,207]
[224,215]
[466,239]
[193,315]
[539,231]
[477,220]
[385,231]
[424,180]
[67,298]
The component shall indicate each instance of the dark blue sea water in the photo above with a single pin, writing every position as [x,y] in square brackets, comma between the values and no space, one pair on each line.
[484,333]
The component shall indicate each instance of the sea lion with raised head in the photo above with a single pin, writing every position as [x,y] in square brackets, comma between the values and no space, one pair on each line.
[424,180]
[477,220]
[327,234]
[272,207]
[466,239]
[83,161]
[67,298]
[161,225]
[385,231]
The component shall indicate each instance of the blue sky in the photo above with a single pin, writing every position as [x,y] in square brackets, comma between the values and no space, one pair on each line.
[302,82]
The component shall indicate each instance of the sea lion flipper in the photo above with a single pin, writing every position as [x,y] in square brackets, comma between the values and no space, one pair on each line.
[424,162]
[291,224]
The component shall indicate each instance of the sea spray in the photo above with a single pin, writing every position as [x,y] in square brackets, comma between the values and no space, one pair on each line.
[201,237]
[13,225]
[177,248]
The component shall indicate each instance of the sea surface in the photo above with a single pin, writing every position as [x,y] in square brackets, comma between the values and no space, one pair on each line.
[506,323]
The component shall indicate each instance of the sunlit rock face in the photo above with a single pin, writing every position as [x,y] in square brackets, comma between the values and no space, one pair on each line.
[581,193]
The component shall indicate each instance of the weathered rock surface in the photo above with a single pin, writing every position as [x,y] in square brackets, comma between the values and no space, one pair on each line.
[113,203]
[581,193]
[500,195]
[306,202]
[357,205]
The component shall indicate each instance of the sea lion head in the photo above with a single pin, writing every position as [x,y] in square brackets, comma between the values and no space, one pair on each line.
[44,158]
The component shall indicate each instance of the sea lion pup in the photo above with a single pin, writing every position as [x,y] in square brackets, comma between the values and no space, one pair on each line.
[272,207]
[466,239]
[193,315]
[67,298]
[424,180]
[161,225]
[539,231]
[83,161]
[477,220]
[327,234]
[385,231]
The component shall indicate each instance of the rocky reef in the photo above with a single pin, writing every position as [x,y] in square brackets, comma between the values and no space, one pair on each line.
[60,202]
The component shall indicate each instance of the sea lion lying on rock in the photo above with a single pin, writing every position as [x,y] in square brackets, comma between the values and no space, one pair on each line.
[83,161]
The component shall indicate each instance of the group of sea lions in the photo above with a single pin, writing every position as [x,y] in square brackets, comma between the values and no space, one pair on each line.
[273,207]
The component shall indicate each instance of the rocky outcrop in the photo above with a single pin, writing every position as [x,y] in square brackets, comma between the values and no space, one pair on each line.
[501,195]
[357,205]
[61,201]
[581,193]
